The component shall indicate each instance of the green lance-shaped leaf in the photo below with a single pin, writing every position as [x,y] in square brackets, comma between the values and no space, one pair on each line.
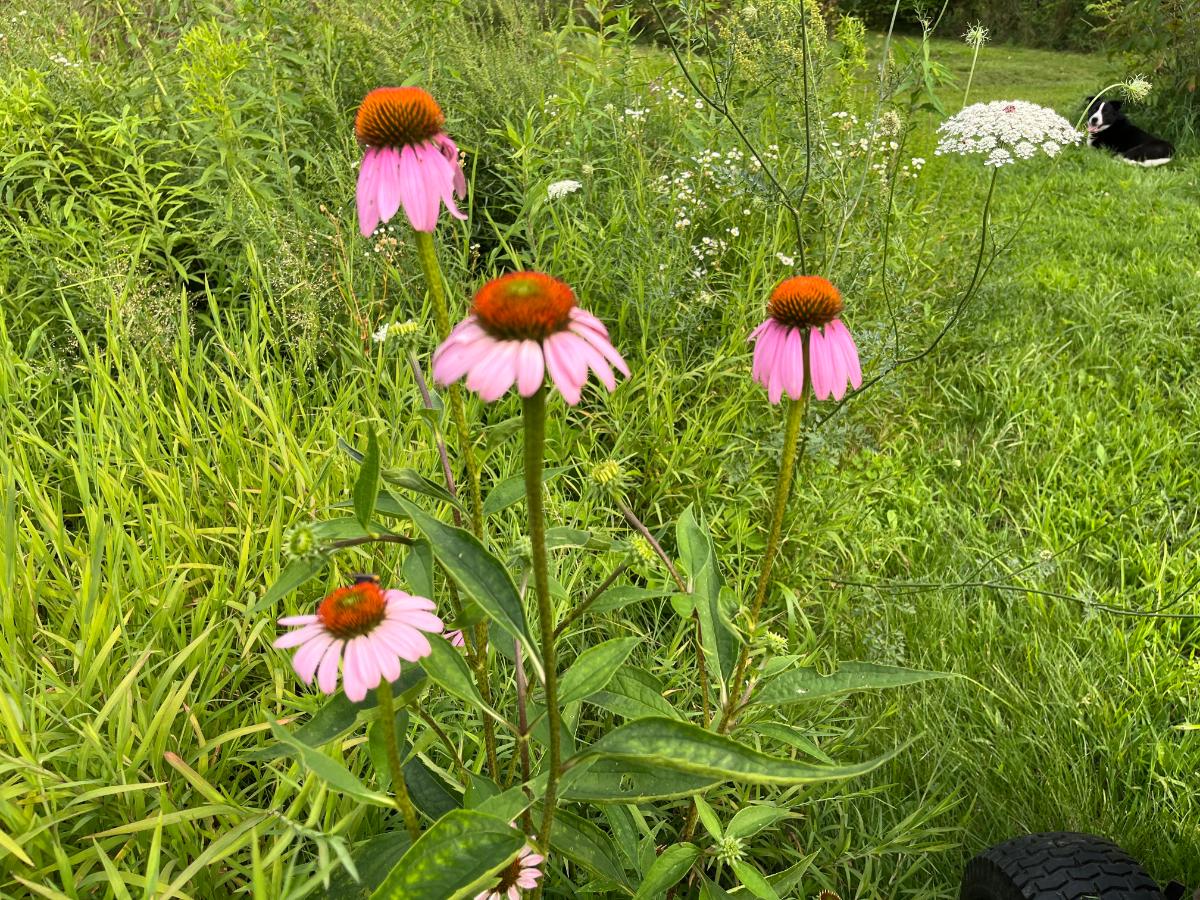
[418,569]
[753,881]
[412,480]
[626,595]
[666,871]
[627,781]
[480,575]
[750,820]
[367,484]
[373,858]
[512,490]
[684,747]
[594,669]
[797,685]
[337,716]
[328,770]
[446,666]
[634,693]
[700,559]
[586,845]
[295,574]
[457,857]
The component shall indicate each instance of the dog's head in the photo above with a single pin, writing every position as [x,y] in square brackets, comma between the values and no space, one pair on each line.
[1102,114]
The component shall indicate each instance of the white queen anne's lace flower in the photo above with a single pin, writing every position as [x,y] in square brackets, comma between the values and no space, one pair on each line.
[1004,131]
[560,189]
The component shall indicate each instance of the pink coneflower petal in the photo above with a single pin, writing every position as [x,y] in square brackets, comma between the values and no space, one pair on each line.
[414,618]
[849,351]
[495,374]
[299,636]
[327,674]
[308,657]
[450,152]
[298,620]
[367,192]
[398,600]
[456,639]
[441,176]
[387,182]
[457,361]
[793,364]
[583,317]
[605,348]
[531,368]
[419,202]
[385,659]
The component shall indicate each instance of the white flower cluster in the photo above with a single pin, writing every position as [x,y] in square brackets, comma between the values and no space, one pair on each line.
[560,189]
[1005,131]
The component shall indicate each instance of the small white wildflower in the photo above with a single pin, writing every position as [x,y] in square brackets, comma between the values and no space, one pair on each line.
[734,231]
[699,104]
[999,129]
[560,189]
[788,261]
[919,161]
[636,114]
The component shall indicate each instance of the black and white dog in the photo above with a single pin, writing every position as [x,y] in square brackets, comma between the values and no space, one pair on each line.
[1108,128]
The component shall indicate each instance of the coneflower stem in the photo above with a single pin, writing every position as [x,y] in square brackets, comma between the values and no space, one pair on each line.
[534,409]
[387,721]
[427,254]
[441,317]
[783,488]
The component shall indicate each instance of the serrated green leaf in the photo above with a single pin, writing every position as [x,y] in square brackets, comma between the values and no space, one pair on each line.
[594,668]
[481,577]
[667,871]
[366,486]
[671,744]
[512,490]
[750,820]
[798,685]
[457,857]
[329,770]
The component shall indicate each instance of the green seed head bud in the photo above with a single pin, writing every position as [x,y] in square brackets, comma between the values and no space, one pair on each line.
[642,551]
[775,643]
[729,850]
[607,474]
[300,541]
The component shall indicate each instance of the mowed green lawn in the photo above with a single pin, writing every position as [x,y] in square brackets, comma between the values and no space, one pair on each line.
[1042,463]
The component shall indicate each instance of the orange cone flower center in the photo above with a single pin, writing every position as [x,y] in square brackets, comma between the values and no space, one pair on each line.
[524,306]
[804,301]
[351,611]
[398,117]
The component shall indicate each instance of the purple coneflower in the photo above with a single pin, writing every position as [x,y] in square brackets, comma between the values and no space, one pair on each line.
[802,321]
[367,630]
[522,327]
[522,874]
[408,161]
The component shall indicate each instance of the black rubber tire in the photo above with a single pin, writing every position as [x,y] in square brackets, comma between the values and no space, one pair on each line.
[1057,866]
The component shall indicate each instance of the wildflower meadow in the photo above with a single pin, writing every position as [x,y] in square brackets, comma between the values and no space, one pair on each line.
[487,449]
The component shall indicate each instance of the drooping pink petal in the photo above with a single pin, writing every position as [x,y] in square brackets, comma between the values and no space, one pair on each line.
[458,361]
[562,368]
[366,196]
[456,638]
[450,151]
[309,656]
[327,675]
[774,368]
[495,374]
[585,318]
[439,176]
[596,362]
[531,368]
[465,332]
[397,599]
[388,182]
[849,351]
[415,644]
[385,660]
[759,330]
[794,364]
[819,364]
[419,201]
[606,349]
[352,678]
[416,618]
[764,351]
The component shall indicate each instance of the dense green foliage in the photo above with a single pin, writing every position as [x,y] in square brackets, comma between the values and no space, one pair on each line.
[185,324]
[1059,24]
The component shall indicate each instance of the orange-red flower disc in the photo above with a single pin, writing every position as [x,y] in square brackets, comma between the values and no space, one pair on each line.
[398,117]
[524,306]
[354,610]
[804,301]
